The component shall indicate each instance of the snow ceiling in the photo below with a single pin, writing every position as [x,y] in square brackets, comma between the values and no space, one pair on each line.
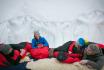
[57,20]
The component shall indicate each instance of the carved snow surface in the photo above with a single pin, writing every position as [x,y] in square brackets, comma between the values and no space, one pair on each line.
[21,28]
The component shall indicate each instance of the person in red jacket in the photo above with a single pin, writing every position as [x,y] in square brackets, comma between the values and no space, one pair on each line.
[72,55]
[8,55]
[71,51]
[23,47]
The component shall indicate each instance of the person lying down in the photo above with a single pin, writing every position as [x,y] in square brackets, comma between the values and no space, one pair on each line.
[44,52]
[93,57]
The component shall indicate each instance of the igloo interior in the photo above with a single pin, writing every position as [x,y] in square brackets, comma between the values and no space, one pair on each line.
[57,20]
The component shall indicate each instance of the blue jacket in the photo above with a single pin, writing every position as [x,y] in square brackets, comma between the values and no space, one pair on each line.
[41,40]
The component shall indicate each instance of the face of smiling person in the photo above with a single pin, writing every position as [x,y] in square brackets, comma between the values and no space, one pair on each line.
[89,51]
[36,36]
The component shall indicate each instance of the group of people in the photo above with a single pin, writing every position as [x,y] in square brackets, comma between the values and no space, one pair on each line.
[86,53]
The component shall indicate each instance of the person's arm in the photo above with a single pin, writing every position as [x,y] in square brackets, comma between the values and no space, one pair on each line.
[45,43]
[75,55]
[33,43]
[92,64]
[96,65]
[15,58]
[71,46]
[100,63]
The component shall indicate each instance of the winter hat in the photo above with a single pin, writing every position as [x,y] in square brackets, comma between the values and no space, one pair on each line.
[6,49]
[36,32]
[94,48]
[86,41]
[81,42]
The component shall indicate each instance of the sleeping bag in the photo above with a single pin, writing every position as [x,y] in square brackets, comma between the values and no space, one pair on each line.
[40,53]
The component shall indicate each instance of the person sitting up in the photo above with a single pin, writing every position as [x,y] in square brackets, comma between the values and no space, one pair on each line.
[40,47]
[39,41]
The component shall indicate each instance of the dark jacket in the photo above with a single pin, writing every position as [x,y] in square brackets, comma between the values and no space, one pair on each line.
[64,47]
[11,59]
[96,61]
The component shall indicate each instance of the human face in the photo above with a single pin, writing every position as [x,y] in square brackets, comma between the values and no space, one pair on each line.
[89,51]
[36,36]
[9,51]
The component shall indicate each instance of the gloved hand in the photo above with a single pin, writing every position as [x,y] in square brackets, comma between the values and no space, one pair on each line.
[40,45]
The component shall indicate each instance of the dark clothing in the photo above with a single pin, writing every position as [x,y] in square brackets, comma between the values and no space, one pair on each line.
[64,57]
[21,66]
[18,46]
[99,62]
[11,59]
[96,61]
[62,52]
[64,47]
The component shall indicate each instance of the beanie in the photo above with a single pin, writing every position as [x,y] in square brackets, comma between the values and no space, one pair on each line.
[36,32]
[6,49]
[81,42]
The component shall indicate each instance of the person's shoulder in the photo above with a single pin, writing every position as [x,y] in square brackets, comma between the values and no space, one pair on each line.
[33,39]
[69,41]
[101,57]
[42,37]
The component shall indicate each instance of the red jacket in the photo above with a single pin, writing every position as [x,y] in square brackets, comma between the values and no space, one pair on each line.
[27,48]
[73,57]
[6,60]
[3,61]
[71,46]
[71,49]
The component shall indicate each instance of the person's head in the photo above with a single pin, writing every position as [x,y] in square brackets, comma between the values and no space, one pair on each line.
[5,49]
[36,34]
[81,42]
[92,49]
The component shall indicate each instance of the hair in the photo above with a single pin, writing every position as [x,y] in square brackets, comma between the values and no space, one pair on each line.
[94,48]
